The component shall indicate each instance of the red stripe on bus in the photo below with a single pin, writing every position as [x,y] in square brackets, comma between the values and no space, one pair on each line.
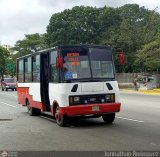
[88,109]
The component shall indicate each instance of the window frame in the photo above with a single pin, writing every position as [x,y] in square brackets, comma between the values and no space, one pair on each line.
[34,71]
[27,71]
[54,64]
[22,73]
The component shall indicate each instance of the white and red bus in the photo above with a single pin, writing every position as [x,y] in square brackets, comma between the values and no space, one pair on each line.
[69,81]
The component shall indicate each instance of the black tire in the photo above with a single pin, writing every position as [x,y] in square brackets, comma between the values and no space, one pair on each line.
[60,119]
[108,118]
[12,89]
[6,89]
[32,111]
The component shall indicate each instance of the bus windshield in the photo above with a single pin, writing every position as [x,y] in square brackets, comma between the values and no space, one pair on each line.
[101,63]
[95,63]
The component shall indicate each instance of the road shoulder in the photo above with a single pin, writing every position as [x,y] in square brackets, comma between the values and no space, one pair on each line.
[142,91]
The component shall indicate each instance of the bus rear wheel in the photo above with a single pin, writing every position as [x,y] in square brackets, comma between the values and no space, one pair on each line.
[32,111]
[60,118]
[108,118]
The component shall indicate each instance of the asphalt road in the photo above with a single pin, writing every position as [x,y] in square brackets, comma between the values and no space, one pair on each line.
[137,127]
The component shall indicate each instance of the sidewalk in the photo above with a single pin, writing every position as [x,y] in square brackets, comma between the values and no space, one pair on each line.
[143,91]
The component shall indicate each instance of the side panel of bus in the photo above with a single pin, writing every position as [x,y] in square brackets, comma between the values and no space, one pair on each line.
[33,80]
[30,92]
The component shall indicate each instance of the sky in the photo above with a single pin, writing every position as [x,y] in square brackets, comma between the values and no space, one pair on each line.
[20,17]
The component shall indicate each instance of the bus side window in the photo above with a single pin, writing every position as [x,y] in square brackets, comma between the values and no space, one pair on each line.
[54,75]
[36,68]
[28,69]
[20,71]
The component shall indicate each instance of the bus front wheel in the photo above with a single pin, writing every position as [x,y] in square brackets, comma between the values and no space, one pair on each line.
[108,118]
[32,111]
[60,118]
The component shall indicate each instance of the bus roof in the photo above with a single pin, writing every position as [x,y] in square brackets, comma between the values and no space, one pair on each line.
[66,46]
[85,45]
[37,52]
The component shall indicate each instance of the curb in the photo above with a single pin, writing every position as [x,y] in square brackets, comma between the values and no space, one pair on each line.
[146,92]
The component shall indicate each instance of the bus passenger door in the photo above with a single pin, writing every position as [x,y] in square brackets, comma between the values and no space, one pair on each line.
[44,80]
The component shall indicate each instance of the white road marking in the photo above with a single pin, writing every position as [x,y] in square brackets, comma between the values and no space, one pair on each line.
[135,120]
[8,104]
[154,144]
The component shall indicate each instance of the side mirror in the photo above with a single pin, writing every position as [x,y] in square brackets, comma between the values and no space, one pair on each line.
[59,62]
[121,58]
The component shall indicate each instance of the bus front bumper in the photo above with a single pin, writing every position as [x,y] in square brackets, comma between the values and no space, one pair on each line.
[90,109]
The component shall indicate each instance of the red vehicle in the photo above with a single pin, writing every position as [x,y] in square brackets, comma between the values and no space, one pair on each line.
[8,83]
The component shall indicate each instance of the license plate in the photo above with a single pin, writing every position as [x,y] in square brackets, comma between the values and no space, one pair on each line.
[95,108]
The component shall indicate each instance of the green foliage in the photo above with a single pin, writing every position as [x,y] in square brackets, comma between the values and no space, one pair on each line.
[81,25]
[78,25]
[128,34]
[30,44]
[149,57]
[3,57]
[127,28]
[152,27]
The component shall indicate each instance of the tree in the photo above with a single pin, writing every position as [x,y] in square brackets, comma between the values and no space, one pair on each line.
[131,32]
[78,25]
[152,27]
[127,28]
[31,43]
[148,58]
[4,53]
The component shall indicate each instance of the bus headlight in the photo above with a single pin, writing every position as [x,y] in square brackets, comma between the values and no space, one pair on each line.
[76,99]
[109,97]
